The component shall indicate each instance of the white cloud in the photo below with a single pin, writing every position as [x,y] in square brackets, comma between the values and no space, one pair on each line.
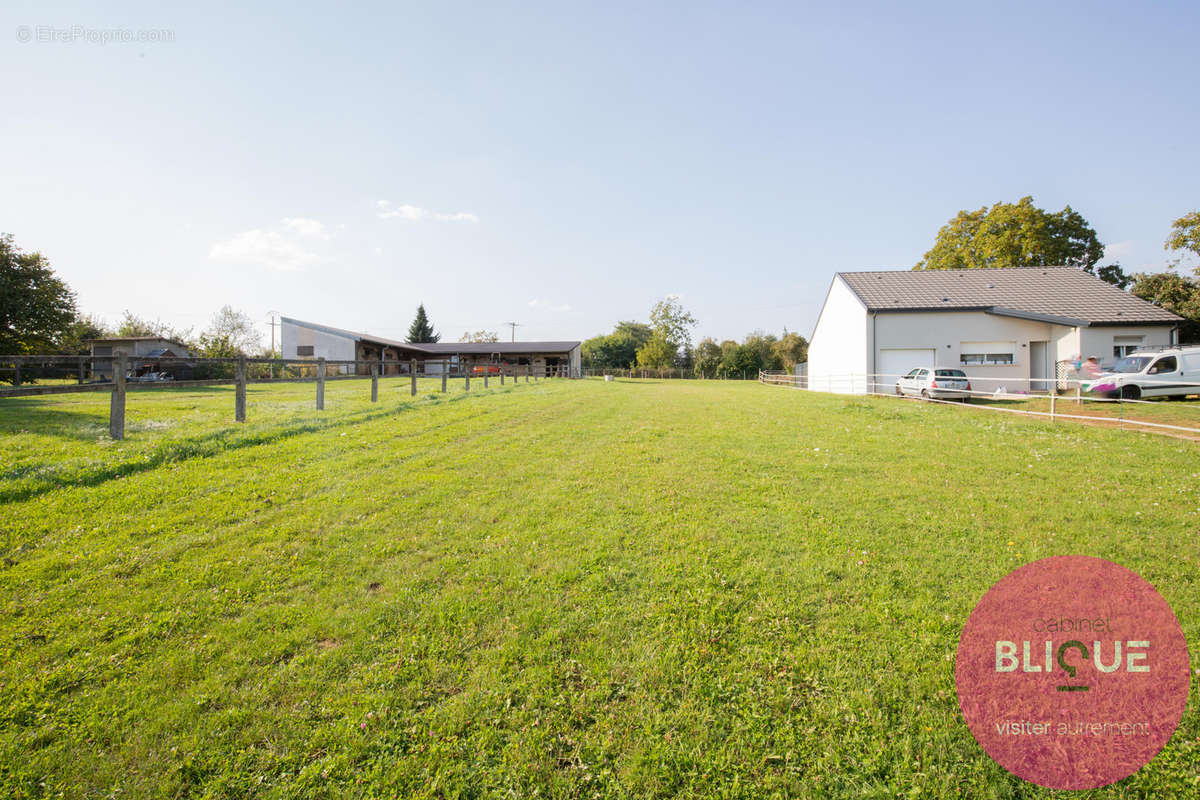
[264,248]
[306,227]
[418,214]
[536,303]
[1118,250]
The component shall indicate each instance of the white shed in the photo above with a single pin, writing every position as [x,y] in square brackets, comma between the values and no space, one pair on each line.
[1003,327]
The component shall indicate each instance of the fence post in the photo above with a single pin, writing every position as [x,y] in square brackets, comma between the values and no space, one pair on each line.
[17,372]
[116,405]
[501,376]
[414,377]
[1078,394]
[485,377]
[466,380]
[321,383]
[445,373]
[1052,405]
[528,370]
[239,398]
[374,383]
[81,370]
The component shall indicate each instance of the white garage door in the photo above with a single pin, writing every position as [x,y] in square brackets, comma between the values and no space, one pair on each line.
[894,362]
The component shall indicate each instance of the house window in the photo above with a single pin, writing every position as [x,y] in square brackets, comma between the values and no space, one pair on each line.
[304,350]
[1124,345]
[102,350]
[994,353]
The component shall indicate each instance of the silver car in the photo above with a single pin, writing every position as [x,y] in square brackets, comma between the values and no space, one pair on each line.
[935,384]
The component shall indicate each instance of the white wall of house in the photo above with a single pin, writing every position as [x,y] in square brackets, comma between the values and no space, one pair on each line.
[1099,342]
[837,351]
[326,344]
[956,337]
[896,342]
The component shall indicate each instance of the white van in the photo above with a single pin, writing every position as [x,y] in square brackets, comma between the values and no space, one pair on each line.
[1171,372]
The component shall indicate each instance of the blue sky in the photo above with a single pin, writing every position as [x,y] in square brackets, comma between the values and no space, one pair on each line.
[566,165]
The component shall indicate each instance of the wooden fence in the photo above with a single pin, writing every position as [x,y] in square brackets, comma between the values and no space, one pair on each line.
[245,370]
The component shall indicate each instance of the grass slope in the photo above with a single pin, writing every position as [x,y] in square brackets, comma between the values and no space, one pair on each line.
[563,589]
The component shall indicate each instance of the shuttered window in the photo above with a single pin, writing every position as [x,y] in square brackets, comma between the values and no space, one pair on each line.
[987,353]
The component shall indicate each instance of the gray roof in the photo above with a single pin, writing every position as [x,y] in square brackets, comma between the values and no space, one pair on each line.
[445,348]
[496,347]
[1064,295]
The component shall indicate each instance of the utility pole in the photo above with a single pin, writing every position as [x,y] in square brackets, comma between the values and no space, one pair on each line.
[514,326]
[271,321]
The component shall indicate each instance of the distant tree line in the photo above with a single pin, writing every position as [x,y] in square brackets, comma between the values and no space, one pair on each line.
[665,343]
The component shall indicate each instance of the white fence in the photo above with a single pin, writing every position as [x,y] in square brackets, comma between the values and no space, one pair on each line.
[1068,402]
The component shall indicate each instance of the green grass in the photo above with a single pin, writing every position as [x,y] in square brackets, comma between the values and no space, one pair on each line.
[563,589]
[1182,413]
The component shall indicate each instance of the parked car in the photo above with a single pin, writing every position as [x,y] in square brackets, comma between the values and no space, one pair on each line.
[1173,372]
[935,384]
[151,377]
[486,369]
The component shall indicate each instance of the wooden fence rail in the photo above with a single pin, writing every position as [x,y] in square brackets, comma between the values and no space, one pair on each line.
[320,368]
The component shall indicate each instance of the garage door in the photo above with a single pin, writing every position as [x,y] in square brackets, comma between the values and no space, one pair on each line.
[896,361]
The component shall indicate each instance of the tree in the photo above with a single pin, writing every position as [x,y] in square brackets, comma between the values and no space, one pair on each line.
[36,306]
[617,350]
[670,320]
[791,349]
[1015,235]
[707,357]
[1177,294]
[737,361]
[1112,273]
[638,332]
[421,331]
[132,325]
[671,331]
[1185,235]
[762,352]
[480,336]
[81,330]
[657,352]
[233,332]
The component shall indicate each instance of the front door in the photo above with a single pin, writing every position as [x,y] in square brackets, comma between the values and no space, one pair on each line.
[1039,367]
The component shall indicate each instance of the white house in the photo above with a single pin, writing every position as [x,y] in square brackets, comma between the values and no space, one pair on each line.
[1003,327]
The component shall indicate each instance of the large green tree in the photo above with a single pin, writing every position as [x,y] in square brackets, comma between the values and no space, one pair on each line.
[657,352]
[421,330]
[707,357]
[791,349]
[1015,235]
[1185,234]
[616,350]
[1176,293]
[671,332]
[36,306]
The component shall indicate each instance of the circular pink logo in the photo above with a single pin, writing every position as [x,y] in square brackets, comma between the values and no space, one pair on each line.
[1072,672]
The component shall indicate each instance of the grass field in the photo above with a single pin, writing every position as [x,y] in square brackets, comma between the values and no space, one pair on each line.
[561,589]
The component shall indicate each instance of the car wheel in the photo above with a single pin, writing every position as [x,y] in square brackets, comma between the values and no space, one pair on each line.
[925,393]
[898,392]
[1131,392]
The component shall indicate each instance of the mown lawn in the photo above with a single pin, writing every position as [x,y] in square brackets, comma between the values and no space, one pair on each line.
[562,589]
